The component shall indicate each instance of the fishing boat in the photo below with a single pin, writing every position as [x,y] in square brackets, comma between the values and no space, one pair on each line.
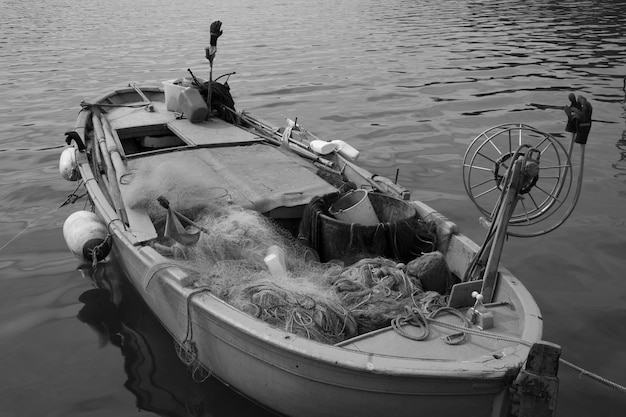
[302,280]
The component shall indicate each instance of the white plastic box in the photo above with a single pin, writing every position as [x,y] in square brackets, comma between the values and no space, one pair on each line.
[179,97]
[172,89]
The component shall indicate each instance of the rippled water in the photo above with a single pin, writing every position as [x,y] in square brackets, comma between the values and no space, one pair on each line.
[409,83]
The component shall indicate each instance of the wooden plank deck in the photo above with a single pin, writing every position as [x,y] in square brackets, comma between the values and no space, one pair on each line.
[211,132]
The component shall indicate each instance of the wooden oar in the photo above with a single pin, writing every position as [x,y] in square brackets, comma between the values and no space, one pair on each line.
[113,105]
[114,187]
[266,131]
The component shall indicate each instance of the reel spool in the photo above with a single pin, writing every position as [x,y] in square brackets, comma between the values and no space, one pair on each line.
[486,164]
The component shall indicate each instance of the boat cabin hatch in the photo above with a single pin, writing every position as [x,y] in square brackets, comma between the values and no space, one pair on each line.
[137,140]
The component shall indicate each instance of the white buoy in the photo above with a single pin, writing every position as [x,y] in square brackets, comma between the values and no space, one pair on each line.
[346,150]
[321,147]
[83,232]
[67,164]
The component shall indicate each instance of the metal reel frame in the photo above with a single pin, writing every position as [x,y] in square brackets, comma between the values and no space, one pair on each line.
[488,158]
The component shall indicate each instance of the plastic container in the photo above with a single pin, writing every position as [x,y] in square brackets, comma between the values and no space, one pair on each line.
[321,147]
[355,207]
[172,90]
[275,261]
[191,104]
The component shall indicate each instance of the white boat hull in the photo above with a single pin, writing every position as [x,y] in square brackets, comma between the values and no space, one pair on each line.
[379,374]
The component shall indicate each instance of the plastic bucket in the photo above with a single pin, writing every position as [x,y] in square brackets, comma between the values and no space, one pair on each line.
[354,207]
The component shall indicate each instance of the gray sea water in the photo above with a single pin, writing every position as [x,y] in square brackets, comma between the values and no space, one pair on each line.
[408,82]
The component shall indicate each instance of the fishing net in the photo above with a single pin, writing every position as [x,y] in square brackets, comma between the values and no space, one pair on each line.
[232,258]
[377,290]
[183,181]
[326,302]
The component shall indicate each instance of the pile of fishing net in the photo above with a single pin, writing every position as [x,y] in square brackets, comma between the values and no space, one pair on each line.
[231,262]
[377,290]
[326,302]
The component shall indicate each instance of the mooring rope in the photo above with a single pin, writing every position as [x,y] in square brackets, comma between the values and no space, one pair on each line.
[594,376]
[429,319]
[71,198]
[98,248]
[187,350]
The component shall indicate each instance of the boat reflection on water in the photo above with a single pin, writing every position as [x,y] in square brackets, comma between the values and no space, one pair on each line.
[620,165]
[161,383]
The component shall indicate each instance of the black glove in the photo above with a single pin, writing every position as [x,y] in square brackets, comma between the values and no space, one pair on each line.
[579,118]
[216,32]
[571,123]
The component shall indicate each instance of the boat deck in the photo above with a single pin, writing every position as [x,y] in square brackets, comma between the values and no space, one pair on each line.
[475,348]
[211,159]
[212,132]
[257,177]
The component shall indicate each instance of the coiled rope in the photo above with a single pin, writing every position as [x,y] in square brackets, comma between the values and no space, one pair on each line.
[425,320]
[417,318]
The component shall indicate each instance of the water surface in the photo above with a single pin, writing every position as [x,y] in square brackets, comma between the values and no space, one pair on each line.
[409,83]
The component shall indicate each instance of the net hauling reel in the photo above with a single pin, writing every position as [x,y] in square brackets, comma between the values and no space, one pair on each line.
[522,182]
